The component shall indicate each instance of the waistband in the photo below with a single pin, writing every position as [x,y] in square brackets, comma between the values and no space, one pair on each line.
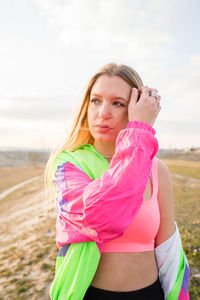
[151,292]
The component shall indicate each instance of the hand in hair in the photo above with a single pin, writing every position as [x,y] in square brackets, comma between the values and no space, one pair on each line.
[147,108]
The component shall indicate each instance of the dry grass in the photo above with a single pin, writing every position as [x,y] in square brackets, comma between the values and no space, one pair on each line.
[28,251]
[184,168]
[186,183]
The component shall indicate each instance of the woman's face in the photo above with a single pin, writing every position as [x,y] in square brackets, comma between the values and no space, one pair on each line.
[108,107]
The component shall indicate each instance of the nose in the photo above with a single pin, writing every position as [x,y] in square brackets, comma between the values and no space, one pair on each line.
[104,111]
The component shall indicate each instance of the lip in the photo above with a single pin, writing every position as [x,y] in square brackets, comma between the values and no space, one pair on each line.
[103,128]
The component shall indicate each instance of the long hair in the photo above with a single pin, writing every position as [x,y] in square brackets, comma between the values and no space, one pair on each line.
[80,133]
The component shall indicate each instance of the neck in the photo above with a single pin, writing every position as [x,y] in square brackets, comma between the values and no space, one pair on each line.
[106,149]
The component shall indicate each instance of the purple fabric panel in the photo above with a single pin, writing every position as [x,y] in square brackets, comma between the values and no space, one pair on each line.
[63,250]
[59,181]
[186,278]
[60,185]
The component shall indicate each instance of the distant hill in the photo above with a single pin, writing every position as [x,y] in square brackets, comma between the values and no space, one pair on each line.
[22,157]
[192,154]
[26,157]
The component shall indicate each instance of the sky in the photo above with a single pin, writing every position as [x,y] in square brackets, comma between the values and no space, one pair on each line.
[51,48]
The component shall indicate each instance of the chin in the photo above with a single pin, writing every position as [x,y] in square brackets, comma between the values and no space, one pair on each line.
[104,139]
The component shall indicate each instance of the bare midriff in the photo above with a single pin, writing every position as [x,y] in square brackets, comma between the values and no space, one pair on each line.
[125,271]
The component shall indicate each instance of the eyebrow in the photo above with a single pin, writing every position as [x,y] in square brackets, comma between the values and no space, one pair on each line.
[118,97]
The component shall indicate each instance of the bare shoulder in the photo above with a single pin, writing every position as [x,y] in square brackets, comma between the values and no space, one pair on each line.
[163,170]
[164,183]
[164,179]
[166,203]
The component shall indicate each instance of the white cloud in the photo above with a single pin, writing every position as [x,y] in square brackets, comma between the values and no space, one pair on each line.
[181,92]
[123,28]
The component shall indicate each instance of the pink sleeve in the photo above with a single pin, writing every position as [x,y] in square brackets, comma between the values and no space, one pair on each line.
[101,210]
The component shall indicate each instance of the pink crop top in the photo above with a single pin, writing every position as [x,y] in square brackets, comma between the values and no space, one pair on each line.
[141,232]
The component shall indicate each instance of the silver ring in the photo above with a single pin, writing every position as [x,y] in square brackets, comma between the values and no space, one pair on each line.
[154,94]
[146,90]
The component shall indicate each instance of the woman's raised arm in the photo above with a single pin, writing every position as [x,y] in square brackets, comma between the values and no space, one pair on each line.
[103,208]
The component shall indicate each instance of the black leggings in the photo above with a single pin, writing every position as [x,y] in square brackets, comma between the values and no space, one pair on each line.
[151,292]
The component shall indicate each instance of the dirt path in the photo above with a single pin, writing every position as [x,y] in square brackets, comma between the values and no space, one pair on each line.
[192,182]
[16,187]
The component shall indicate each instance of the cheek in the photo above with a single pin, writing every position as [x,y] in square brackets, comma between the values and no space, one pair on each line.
[123,119]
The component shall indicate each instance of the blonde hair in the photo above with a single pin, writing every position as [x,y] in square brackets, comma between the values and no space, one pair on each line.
[80,133]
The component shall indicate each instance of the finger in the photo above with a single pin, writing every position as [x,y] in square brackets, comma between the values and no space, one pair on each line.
[134,96]
[158,99]
[153,91]
[144,89]
[155,96]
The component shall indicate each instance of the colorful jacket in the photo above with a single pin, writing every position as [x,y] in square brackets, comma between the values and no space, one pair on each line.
[96,202]
[173,268]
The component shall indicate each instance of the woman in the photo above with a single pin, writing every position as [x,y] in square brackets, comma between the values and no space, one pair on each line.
[113,192]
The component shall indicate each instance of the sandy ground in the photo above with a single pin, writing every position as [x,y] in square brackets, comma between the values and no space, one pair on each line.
[27,242]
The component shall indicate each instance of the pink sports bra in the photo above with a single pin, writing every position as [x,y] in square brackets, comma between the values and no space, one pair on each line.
[141,232]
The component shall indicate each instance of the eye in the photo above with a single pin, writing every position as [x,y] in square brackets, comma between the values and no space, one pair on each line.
[94,100]
[117,103]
